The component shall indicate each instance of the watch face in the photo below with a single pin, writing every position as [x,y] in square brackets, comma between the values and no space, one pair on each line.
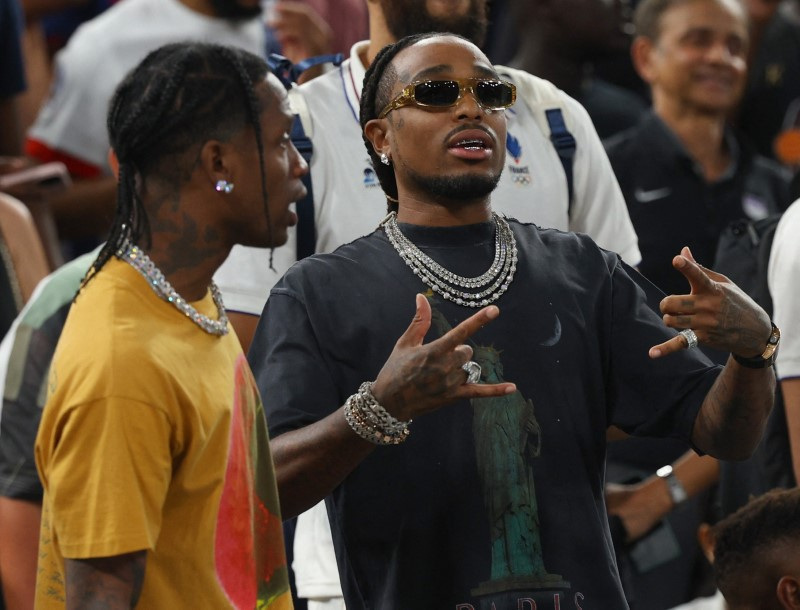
[772,343]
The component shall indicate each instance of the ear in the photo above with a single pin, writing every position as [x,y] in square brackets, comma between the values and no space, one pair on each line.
[113,163]
[642,50]
[217,162]
[788,592]
[377,133]
[705,536]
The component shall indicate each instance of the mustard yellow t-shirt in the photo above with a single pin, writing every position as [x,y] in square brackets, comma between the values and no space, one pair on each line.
[154,437]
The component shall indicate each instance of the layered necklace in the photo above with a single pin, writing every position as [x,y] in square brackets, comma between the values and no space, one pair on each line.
[141,262]
[468,291]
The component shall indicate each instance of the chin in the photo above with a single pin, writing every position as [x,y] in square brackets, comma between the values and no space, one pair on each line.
[279,238]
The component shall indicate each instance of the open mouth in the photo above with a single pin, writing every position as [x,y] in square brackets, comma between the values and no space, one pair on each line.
[471,144]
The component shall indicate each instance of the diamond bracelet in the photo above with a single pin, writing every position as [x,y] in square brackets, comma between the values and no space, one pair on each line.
[371,421]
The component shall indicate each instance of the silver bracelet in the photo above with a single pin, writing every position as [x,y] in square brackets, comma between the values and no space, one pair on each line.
[371,421]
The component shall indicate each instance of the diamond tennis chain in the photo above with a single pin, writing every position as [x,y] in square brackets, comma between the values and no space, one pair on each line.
[490,285]
[141,262]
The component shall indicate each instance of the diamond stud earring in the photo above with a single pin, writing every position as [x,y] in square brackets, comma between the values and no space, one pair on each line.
[223,186]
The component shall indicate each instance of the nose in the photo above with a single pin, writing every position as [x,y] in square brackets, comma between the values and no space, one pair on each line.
[467,106]
[719,52]
[299,165]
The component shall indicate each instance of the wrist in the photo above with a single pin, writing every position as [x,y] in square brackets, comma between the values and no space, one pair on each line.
[675,489]
[767,357]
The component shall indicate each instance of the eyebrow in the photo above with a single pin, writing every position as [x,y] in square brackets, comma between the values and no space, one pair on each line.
[441,68]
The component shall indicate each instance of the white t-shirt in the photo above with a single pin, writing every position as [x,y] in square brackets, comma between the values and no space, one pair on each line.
[784,278]
[349,202]
[103,50]
[314,564]
[715,602]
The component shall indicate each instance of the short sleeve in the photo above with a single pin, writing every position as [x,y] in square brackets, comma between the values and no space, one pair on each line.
[651,397]
[106,467]
[783,277]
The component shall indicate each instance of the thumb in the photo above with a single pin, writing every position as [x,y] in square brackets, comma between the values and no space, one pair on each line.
[421,322]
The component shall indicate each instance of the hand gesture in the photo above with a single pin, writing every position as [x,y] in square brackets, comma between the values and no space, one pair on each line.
[300,30]
[420,378]
[721,315]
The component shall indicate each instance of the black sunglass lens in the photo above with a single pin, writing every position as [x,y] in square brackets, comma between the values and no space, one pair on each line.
[493,94]
[436,93]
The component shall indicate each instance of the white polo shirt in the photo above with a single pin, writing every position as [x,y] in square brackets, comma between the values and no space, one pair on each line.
[784,278]
[103,50]
[349,202]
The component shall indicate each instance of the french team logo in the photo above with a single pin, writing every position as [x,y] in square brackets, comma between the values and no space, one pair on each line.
[520,174]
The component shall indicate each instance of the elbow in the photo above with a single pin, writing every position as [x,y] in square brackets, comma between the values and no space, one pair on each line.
[733,442]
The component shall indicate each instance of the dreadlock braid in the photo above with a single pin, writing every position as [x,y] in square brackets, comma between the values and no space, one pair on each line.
[379,81]
[179,97]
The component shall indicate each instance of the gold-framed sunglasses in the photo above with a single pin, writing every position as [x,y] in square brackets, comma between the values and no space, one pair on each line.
[491,94]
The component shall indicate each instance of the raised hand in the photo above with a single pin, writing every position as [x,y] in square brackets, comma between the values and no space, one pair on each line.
[300,31]
[717,310]
[418,378]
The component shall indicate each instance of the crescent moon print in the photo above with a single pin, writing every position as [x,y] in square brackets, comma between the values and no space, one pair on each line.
[556,335]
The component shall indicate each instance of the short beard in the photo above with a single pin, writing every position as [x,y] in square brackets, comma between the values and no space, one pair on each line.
[464,188]
[403,21]
[232,10]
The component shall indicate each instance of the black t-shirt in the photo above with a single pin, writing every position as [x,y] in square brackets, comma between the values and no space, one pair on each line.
[671,205]
[499,501]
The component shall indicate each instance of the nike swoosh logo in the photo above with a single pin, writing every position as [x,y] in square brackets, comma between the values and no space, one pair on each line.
[643,196]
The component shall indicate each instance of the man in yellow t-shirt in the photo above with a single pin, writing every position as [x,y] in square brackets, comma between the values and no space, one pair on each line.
[152,450]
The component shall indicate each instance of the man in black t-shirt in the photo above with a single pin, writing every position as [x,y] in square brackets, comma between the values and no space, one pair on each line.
[495,500]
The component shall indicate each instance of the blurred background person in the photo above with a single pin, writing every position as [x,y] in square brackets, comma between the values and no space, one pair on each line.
[12,77]
[773,82]
[559,40]
[784,278]
[686,177]
[70,126]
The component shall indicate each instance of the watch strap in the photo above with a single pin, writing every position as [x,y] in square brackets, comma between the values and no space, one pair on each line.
[676,490]
[767,357]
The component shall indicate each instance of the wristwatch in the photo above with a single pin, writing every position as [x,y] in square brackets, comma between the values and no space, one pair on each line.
[676,490]
[767,358]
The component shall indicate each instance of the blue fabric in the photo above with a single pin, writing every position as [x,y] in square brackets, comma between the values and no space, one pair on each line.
[12,70]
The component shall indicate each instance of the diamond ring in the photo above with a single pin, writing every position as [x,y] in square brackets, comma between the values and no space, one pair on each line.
[690,336]
[473,370]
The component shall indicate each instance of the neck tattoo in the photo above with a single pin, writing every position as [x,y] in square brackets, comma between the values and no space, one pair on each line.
[480,291]
[141,262]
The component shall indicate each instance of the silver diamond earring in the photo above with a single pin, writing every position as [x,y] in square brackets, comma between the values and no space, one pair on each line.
[385,159]
[223,186]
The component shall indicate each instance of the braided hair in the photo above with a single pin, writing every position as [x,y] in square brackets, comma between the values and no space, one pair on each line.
[179,97]
[379,81]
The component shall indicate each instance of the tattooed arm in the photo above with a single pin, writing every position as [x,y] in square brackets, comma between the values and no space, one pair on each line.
[416,379]
[734,412]
[107,583]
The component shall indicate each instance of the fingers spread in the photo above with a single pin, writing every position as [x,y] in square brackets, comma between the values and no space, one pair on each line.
[468,327]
